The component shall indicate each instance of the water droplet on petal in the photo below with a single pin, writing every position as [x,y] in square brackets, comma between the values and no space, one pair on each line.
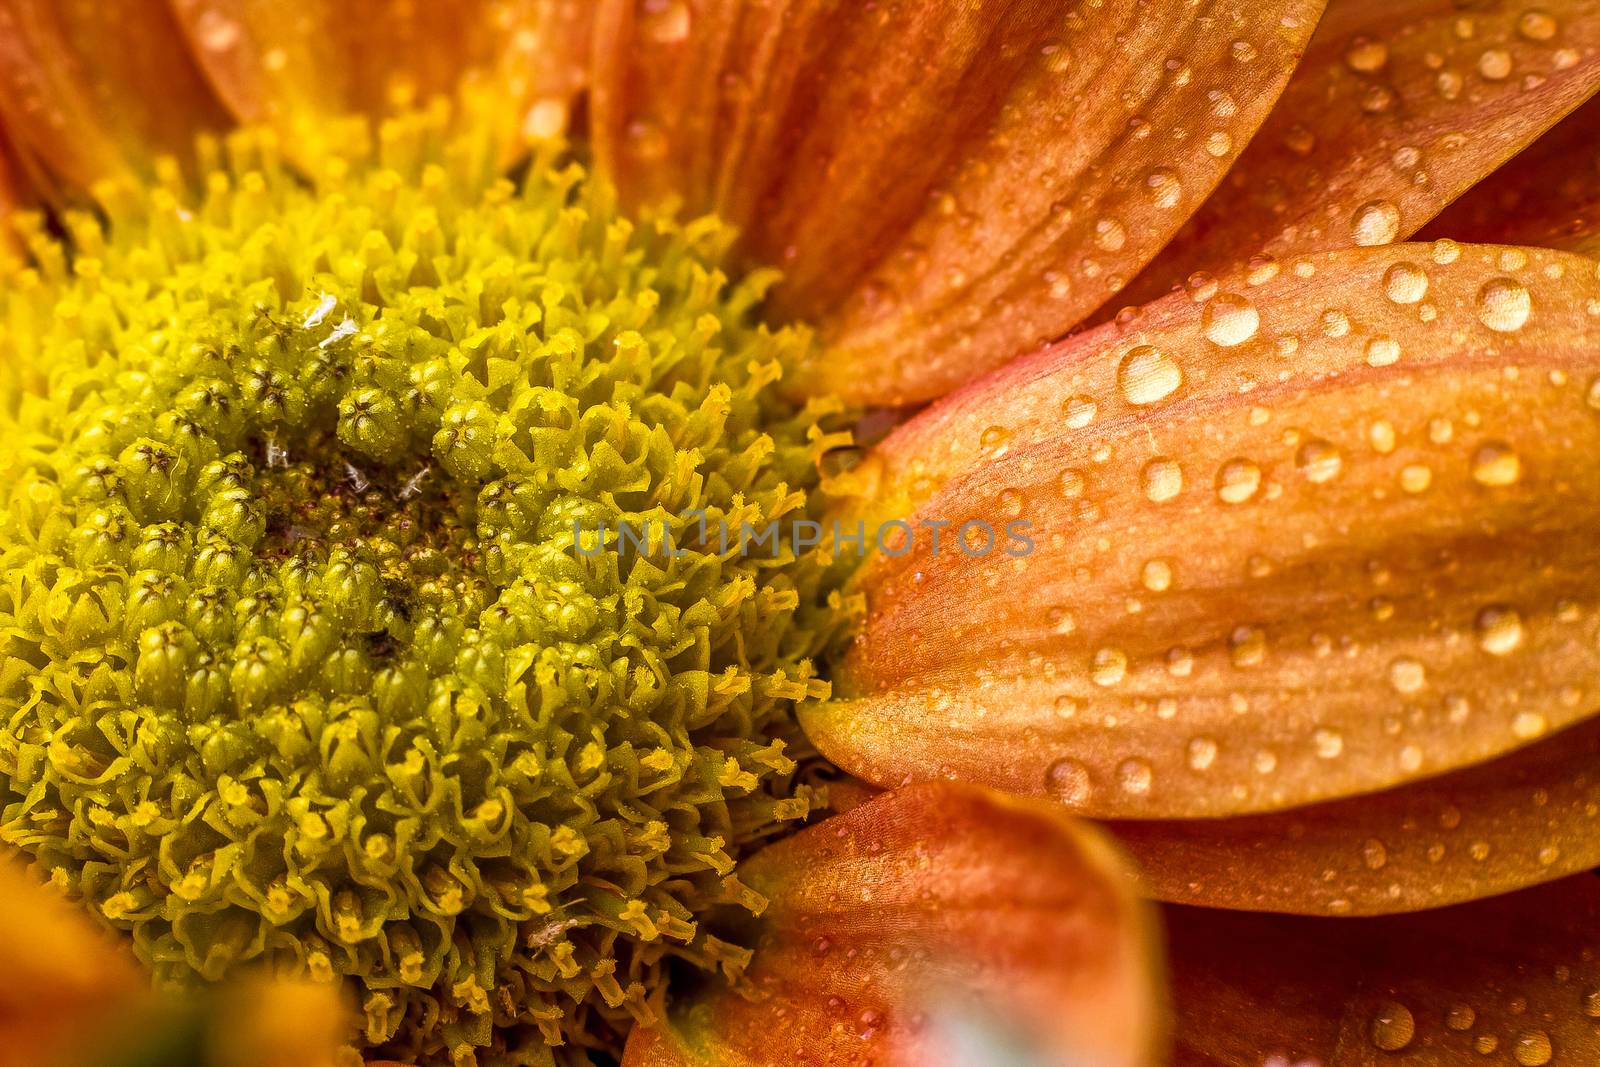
[1238,481]
[1392,1026]
[1504,304]
[1499,630]
[1068,781]
[1109,666]
[1229,320]
[1202,753]
[1134,775]
[1532,1048]
[1495,464]
[1407,675]
[1376,222]
[1318,460]
[1405,283]
[1147,375]
[1163,480]
[1079,411]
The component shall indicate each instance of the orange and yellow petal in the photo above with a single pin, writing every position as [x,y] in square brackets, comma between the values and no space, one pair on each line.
[1398,107]
[940,924]
[1324,531]
[1548,196]
[298,68]
[1514,980]
[944,185]
[1519,820]
[96,90]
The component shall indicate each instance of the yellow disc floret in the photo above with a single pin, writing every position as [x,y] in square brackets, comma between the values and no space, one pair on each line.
[325,643]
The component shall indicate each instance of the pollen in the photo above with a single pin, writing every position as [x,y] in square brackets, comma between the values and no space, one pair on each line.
[323,648]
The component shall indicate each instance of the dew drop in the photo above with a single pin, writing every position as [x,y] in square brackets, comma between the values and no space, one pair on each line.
[1532,1048]
[1495,464]
[1109,666]
[1392,1026]
[1146,375]
[1318,460]
[1405,283]
[665,21]
[1415,478]
[1374,855]
[1329,743]
[1495,64]
[1237,481]
[1134,776]
[1079,411]
[1499,630]
[1460,1017]
[1110,235]
[1536,26]
[1591,1004]
[1068,781]
[1527,725]
[1366,55]
[1165,187]
[1229,320]
[1382,351]
[1163,480]
[1504,305]
[1157,575]
[1202,753]
[1072,483]
[1407,675]
[1247,646]
[1376,222]
[1592,397]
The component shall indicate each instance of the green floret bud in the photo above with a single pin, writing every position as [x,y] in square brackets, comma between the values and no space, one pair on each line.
[325,648]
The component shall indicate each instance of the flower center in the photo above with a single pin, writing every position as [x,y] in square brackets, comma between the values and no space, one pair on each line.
[366,607]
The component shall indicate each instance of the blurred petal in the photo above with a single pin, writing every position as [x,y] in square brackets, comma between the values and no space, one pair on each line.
[1525,818]
[1399,107]
[1509,981]
[941,924]
[1330,530]
[296,67]
[93,89]
[1041,154]
[63,979]
[1548,196]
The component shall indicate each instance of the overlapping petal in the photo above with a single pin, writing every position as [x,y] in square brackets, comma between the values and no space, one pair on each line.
[1548,196]
[90,91]
[944,185]
[1326,530]
[1525,818]
[1398,107]
[940,924]
[1514,980]
[298,67]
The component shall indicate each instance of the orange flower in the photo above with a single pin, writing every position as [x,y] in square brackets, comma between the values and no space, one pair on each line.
[1305,610]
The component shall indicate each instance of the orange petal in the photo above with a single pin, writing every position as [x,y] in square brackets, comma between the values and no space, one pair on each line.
[1330,530]
[944,185]
[1525,818]
[93,90]
[297,68]
[924,928]
[1548,196]
[1398,108]
[1503,982]
[64,981]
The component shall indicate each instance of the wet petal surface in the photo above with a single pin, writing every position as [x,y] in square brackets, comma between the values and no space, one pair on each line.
[940,924]
[1323,529]
[1398,108]
[1041,154]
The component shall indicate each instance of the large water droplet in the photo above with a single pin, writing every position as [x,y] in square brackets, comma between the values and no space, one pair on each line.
[1392,1026]
[1237,481]
[1496,464]
[1163,480]
[1405,283]
[1079,411]
[1532,1048]
[1068,781]
[1504,304]
[1376,222]
[1318,460]
[1147,375]
[1229,320]
[1499,630]
[1134,776]
[1109,666]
